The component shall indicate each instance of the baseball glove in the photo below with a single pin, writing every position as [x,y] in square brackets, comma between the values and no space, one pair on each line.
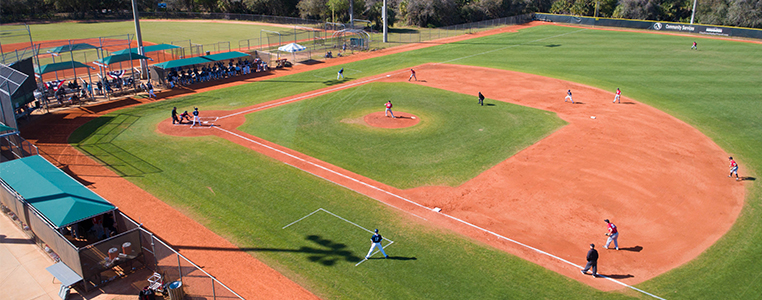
[607,234]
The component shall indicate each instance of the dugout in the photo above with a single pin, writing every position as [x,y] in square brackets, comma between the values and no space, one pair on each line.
[354,39]
[46,202]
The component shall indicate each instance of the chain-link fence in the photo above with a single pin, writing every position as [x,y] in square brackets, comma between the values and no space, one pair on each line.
[173,266]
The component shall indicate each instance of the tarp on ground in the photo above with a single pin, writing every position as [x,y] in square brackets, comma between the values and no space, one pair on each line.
[147,49]
[120,57]
[61,199]
[225,56]
[182,62]
[59,66]
[72,47]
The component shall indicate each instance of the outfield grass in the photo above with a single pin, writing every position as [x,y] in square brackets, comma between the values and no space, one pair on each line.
[455,140]
[714,89]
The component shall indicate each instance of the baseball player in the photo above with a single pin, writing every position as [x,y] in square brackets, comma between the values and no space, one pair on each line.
[375,241]
[733,168]
[196,118]
[412,75]
[481,99]
[592,261]
[151,94]
[568,96]
[389,109]
[618,94]
[612,233]
[341,74]
[695,46]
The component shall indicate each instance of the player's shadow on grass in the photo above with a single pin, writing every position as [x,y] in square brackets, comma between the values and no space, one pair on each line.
[553,45]
[617,276]
[395,258]
[632,249]
[489,104]
[748,178]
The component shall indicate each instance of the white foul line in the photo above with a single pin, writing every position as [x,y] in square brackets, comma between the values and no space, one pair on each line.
[421,206]
[345,220]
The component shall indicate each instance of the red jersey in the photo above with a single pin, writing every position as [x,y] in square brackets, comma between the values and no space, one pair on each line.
[412,71]
[612,228]
[618,92]
[733,164]
[388,105]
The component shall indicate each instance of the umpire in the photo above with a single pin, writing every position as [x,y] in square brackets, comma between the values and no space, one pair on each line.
[592,261]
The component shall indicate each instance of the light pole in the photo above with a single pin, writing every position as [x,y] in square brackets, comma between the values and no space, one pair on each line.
[383,13]
[143,67]
[693,14]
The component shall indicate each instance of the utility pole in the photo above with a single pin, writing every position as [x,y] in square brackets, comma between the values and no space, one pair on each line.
[351,14]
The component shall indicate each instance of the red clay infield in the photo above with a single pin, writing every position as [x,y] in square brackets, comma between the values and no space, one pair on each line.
[661,181]
[401,120]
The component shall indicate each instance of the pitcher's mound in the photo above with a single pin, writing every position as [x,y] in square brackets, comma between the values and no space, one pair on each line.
[402,120]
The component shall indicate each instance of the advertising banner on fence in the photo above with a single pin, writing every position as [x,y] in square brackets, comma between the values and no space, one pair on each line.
[656,26]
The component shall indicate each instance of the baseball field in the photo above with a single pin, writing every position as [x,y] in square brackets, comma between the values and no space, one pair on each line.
[292,176]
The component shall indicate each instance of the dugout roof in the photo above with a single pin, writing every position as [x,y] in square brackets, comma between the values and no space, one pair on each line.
[60,199]
[147,49]
[121,57]
[59,66]
[200,60]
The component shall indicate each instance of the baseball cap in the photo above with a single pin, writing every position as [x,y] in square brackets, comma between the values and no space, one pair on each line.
[376,230]
[606,220]
[592,245]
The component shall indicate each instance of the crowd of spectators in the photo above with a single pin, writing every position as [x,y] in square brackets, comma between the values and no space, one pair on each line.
[215,71]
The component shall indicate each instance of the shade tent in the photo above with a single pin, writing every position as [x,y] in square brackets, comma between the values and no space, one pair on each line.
[292,48]
[147,49]
[200,60]
[72,47]
[120,58]
[59,198]
[59,66]
[4,128]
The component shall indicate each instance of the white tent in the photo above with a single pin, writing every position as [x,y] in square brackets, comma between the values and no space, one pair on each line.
[292,48]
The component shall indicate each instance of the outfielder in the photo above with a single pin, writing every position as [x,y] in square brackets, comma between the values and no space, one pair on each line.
[733,168]
[613,235]
[568,96]
[618,94]
[389,109]
[375,241]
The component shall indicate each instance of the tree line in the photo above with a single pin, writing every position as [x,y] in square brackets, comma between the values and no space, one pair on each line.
[422,13]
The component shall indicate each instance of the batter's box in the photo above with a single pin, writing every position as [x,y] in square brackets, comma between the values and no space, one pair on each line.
[390,242]
[205,122]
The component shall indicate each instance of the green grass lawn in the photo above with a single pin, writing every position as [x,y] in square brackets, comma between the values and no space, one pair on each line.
[714,89]
[455,140]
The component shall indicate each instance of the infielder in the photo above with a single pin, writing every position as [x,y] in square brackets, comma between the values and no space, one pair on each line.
[412,75]
[733,168]
[568,96]
[389,109]
[341,74]
[375,241]
[613,235]
[196,118]
[618,94]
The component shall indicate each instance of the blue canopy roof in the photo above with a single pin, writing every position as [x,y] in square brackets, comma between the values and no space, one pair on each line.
[147,49]
[59,66]
[61,199]
[72,47]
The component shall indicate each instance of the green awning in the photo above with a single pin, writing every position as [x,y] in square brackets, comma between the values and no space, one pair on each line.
[183,62]
[225,56]
[73,47]
[4,128]
[61,199]
[147,49]
[59,66]
[120,57]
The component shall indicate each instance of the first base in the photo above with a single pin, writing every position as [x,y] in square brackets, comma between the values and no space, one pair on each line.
[592,117]
[388,75]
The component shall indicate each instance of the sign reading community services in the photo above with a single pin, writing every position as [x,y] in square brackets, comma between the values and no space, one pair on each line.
[701,29]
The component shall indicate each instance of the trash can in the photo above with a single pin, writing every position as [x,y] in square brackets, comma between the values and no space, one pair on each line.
[175,290]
